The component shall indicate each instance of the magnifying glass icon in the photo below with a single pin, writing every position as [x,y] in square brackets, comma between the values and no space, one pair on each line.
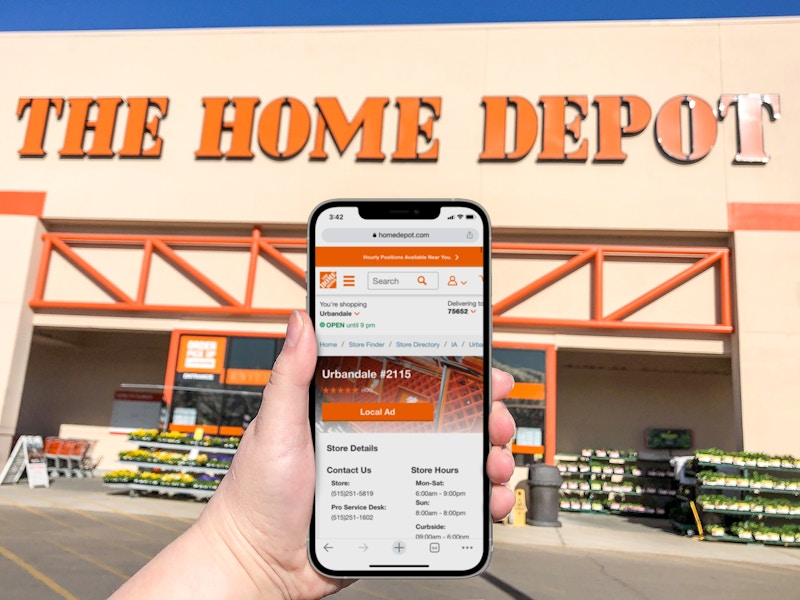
[421,280]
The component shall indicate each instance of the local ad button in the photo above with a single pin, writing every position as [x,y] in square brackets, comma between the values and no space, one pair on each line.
[377,411]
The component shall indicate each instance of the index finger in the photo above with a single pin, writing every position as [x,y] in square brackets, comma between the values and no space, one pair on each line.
[502,384]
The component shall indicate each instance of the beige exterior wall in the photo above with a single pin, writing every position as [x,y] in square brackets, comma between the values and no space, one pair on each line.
[528,200]
[460,65]
[19,238]
[768,293]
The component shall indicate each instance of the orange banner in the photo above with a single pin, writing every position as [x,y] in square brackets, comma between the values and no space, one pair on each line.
[377,411]
[527,391]
[410,256]
[257,377]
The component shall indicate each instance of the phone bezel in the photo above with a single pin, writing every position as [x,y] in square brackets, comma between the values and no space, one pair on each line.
[404,209]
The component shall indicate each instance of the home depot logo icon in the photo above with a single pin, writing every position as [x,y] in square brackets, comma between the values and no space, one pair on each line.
[327,280]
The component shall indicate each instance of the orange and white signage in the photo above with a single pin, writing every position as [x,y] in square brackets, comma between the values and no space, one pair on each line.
[201,354]
[685,127]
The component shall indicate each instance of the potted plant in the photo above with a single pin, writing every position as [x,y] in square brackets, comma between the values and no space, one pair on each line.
[704,456]
[715,530]
[144,435]
[789,534]
[119,476]
[742,530]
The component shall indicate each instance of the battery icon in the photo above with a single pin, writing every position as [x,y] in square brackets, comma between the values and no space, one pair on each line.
[470,216]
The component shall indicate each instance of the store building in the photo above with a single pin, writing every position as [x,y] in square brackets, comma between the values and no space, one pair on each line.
[641,178]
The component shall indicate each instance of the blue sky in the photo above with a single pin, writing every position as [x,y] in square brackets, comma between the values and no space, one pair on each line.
[51,15]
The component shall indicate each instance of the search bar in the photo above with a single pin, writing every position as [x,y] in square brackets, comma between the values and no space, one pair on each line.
[387,280]
[404,237]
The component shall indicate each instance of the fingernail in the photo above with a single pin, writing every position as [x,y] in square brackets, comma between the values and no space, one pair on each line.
[294,329]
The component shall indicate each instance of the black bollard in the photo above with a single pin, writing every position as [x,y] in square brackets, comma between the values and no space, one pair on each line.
[543,484]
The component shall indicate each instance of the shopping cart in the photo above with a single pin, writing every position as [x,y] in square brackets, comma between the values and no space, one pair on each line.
[70,458]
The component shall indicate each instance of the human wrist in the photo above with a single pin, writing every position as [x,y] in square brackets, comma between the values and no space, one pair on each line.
[238,561]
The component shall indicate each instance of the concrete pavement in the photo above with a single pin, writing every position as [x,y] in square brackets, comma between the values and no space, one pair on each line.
[75,540]
[578,531]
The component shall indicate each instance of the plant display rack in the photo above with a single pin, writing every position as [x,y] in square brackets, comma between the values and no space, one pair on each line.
[748,497]
[171,463]
[617,482]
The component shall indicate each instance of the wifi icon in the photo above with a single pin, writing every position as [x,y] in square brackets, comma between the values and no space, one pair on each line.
[460,217]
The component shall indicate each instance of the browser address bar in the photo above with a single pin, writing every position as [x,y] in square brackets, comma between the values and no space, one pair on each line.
[401,236]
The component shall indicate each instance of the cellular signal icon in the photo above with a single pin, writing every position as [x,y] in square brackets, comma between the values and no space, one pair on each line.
[451,217]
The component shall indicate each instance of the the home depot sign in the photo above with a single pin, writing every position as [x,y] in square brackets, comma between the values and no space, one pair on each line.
[685,127]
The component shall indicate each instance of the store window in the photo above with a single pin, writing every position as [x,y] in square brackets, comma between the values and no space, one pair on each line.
[527,402]
[218,380]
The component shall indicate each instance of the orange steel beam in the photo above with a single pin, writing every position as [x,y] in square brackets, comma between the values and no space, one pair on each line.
[252,268]
[542,282]
[291,269]
[272,249]
[90,271]
[726,312]
[204,282]
[144,274]
[164,245]
[597,288]
[551,404]
[661,289]
[704,258]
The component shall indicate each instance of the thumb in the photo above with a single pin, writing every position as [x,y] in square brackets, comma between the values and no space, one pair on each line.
[285,402]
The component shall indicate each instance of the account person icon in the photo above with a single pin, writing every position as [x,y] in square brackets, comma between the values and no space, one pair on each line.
[452,281]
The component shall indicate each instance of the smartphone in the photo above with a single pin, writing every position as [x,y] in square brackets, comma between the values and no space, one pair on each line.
[399,292]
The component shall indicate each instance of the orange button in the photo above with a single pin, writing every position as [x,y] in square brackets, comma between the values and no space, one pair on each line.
[377,411]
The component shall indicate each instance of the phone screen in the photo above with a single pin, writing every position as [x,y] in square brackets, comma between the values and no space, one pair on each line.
[398,291]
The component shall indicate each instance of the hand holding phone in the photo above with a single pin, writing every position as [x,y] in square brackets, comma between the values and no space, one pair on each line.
[399,295]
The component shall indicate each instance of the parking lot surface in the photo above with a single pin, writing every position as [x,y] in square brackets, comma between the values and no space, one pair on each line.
[75,540]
